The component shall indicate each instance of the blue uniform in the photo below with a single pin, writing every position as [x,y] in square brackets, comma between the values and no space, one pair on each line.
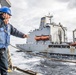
[5,32]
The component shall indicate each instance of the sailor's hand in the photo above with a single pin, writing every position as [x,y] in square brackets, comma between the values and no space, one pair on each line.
[25,36]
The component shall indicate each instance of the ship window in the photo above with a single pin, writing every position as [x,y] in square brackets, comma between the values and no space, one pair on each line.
[49,46]
[68,46]
[63,46]
[58,46]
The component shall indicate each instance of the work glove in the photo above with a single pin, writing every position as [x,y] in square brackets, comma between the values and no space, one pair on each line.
[25,36]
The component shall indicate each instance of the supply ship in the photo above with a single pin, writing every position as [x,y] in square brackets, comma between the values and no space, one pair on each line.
[49,38]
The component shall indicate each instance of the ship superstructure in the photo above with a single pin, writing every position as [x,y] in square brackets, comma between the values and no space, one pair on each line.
[5,3]
[48,32]
[50,38]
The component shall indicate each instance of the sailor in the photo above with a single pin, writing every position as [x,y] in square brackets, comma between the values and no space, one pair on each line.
[6,29]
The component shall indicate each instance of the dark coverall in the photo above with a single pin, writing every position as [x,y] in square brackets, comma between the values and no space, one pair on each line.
[3,56]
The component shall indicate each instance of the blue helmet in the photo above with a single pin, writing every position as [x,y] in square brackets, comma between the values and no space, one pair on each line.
[5,9]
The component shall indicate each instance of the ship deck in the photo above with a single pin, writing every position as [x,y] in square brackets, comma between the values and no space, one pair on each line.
[17,73]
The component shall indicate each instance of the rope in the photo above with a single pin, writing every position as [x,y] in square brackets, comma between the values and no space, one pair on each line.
[10,66]
[14,46]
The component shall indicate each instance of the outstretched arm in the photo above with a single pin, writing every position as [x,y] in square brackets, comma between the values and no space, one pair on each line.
[17,33]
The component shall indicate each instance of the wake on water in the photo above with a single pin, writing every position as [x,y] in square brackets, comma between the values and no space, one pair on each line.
[41,65]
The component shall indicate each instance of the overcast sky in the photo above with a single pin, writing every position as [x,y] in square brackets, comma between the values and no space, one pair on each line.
[27,13]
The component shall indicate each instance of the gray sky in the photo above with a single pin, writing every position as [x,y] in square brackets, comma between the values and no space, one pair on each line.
[27,13]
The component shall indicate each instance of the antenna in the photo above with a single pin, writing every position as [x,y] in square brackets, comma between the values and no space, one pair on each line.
[50,17]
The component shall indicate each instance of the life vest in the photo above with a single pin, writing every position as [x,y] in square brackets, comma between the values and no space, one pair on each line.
[4,36]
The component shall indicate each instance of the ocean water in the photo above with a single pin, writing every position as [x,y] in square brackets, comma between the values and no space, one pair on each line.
[41,65]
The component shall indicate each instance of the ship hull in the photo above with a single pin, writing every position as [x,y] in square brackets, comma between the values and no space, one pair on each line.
[45,48]
[49,38]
